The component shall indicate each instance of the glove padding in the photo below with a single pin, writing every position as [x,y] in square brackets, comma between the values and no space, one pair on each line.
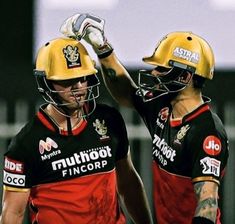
[91,29]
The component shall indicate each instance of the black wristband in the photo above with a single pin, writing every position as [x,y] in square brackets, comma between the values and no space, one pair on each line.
[106,54]
[201,220]
[104,51]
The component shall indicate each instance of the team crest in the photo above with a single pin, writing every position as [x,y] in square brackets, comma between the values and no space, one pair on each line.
[181,133]
[100,128]
[72,56]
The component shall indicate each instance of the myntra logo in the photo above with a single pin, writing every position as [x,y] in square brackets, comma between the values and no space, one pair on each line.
[47,145]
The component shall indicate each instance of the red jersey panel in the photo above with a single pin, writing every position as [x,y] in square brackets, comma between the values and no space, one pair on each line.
[87,200]
[166,200]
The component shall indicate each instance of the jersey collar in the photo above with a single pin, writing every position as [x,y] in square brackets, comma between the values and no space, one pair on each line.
[46,121]
[195,113]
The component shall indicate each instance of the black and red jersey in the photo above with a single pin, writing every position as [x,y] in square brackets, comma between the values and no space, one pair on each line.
[72,178]
[184,152]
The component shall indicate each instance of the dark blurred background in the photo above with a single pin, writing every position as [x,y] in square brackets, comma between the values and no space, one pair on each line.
[19,98]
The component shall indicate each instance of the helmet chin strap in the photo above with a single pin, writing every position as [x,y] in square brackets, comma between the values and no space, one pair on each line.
[69,126]
[66,112]
[82,112]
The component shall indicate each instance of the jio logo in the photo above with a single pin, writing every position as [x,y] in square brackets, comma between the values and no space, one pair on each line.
[212,145]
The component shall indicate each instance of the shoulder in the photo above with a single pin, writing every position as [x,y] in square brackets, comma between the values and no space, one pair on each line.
[106,110]
[28,128]
[24,135]
[110,114]
[211,122]
[207,130]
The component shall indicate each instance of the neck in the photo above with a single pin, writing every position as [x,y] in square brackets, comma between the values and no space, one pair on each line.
[61,120]
[185,103]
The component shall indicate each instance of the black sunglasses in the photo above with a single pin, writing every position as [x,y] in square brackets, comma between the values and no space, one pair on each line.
[70,82]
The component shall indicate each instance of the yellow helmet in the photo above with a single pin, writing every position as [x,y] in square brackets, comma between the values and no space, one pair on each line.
[184,49]
[64,58]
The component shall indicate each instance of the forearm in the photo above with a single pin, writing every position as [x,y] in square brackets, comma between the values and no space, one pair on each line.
[207,209]
[11,218]
[13,206]
[117,80]
[207,201]
[135,201]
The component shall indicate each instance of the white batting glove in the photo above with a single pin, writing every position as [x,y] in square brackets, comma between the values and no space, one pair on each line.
[91,29]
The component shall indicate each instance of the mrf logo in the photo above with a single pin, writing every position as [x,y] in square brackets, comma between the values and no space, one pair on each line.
[212,145]
[13,165]
[47,145]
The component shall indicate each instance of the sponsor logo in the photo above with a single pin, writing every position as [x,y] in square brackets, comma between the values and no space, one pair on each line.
[162,150]
[212,145]
[162,117]
[47,146]
[72,56]
[13,179]
[101,129]
[210,166]
[164,113]
[83,161]
[50,155]
[186,54]
[13,165]
[159,123]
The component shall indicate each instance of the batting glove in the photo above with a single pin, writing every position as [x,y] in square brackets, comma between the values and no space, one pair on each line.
[91,29]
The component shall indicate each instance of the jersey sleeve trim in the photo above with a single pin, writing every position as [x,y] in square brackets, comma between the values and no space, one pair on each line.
[200,179]
[7,188]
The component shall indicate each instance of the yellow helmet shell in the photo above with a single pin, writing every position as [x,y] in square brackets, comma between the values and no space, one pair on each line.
[63,59]
[185,48]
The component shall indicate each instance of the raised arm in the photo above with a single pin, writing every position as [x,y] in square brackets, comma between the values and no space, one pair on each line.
[117,80]
[13,206]
[116,77]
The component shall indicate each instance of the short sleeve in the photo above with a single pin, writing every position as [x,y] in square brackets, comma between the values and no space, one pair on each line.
[120,130]
[16,168]
[150,110]
[210,154]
